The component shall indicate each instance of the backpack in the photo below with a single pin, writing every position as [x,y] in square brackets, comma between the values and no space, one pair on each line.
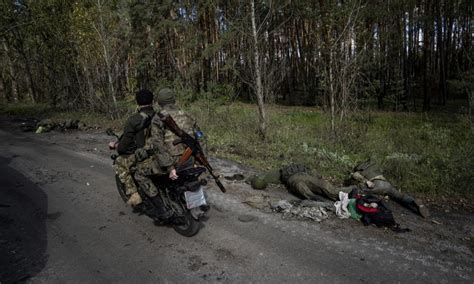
[374,211]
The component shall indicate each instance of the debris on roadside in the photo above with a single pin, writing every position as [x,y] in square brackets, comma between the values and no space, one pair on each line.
[296,210]
[258,182]
[235,177]
[257,201]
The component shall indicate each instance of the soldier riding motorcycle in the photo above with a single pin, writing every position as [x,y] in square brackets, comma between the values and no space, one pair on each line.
[184,198]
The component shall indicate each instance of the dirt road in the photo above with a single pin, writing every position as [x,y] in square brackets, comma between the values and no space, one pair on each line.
[61,220]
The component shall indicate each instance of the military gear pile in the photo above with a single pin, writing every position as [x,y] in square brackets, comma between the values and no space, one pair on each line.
[295,210]
[370,175]
[374,211]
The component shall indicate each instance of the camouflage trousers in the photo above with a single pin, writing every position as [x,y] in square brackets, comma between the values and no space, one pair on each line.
[145,170]
[384,188]
[123,165]
[311,187]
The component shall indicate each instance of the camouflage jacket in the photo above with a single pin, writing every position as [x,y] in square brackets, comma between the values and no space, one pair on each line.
[367,171]
[184,121]
[150,137]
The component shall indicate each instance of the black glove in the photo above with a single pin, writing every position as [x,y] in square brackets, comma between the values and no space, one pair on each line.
[141,154]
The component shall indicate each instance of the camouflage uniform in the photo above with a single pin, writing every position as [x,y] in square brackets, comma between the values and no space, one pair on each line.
[137,136]
[185,122]
[123,166]
[166,100]
[160,163]
[300,182]
[371,179]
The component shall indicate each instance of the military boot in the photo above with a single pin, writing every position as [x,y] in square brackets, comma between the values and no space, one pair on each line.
[134,199]
[422,209]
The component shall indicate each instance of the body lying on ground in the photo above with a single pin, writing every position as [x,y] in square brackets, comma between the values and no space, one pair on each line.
[366,177]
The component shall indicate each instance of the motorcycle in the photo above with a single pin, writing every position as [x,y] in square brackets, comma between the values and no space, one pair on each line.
[184,197]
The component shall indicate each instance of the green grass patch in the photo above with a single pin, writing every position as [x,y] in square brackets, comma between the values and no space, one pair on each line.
[41,111]
[426,154]
[25,109]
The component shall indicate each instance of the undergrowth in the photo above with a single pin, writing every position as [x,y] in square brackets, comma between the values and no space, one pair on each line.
[425,154]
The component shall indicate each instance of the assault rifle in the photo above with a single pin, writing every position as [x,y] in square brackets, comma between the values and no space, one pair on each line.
[193,147]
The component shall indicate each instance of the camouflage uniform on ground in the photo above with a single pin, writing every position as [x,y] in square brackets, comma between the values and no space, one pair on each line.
[301,183]
[371,179]
[368,178]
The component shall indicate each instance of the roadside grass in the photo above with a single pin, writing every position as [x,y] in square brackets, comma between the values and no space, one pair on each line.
[41,111]
[25,109]
[430,155]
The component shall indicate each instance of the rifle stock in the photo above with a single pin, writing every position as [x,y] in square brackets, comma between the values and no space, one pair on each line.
[193,147]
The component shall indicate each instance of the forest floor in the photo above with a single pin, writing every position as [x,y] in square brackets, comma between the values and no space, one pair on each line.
[87,233]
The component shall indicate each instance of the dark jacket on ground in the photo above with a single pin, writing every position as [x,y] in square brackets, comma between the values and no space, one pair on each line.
[133,136]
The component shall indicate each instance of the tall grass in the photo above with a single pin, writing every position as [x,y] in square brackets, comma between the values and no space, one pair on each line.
[428,154]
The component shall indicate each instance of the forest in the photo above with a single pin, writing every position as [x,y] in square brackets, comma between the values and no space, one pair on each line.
[353,60]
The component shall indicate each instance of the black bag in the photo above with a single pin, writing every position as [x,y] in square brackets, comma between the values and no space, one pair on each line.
[374,211]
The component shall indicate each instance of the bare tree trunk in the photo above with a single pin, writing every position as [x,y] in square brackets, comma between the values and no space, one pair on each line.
[107,59]
[14,84]
[470,97]
[258,76]
[91,90]
[3,96]
[29,75]
[29,81]
[332,94]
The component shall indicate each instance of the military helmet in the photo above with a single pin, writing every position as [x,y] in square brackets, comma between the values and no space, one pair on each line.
[258,182]
[166,96]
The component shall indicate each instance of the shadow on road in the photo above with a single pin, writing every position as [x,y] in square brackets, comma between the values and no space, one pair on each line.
[23,234]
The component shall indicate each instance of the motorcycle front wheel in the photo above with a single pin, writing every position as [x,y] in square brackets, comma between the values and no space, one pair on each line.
[189,227]
[121,188]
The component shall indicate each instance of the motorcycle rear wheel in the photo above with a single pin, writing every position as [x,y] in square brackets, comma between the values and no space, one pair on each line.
[121,188]
[190,227]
